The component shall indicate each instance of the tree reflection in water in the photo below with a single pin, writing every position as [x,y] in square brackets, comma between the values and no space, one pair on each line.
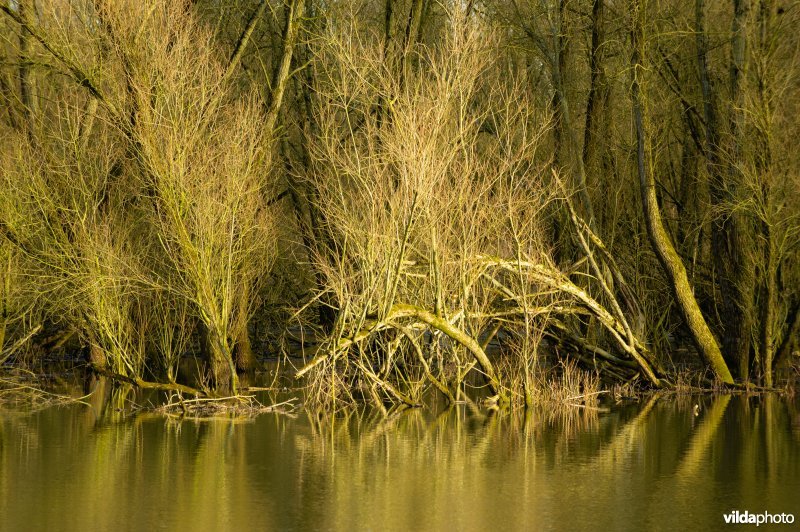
[649,465]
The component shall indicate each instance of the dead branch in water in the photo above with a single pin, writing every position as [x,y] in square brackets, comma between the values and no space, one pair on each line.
[147,385]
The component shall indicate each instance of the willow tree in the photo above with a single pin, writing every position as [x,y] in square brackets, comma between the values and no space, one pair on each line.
[189,175]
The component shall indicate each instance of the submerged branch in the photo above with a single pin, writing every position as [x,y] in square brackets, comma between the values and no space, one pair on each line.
[141,383]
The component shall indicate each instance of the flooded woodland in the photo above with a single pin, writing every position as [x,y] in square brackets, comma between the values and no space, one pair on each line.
[398,264]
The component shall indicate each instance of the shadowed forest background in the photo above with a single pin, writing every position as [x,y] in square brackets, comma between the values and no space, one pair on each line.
[406,194]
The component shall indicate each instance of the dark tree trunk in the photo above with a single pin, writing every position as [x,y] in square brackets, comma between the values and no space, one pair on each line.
[25,82]
[597,89]
[243,351]
[730,245]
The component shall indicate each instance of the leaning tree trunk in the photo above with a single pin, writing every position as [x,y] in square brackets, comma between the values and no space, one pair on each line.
[661,241]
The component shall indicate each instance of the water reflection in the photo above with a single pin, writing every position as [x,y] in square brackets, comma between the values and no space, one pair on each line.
[655,465]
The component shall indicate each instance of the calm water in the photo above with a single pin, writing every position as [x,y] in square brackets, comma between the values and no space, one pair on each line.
[650,466]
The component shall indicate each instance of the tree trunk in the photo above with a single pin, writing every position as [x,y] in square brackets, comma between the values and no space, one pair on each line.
[305,198]
[280,78]
[243,350]
[596,83]
[566,149]
[768,306]
[213,350]
[769,194]
[244,38]
[659,238]
[742,273]
[409,40]
[223,371]
[25,83]
[790,338]
[729,241]
[96,356]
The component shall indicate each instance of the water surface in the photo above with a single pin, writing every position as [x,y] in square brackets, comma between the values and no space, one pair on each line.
[654,465]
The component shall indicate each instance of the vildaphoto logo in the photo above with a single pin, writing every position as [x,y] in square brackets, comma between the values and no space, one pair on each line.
[746,518]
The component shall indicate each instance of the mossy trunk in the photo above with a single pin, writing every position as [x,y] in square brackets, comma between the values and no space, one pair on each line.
[768,307]
[96,356]
[659,238]
[243,351]
[225,381]
[223,370]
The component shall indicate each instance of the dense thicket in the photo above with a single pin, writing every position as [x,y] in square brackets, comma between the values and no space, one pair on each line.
[409,191]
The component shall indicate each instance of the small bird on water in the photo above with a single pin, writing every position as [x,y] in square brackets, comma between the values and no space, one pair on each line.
[696,409]
[491,402]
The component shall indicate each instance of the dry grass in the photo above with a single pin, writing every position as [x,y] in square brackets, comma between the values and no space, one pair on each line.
[565,385]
